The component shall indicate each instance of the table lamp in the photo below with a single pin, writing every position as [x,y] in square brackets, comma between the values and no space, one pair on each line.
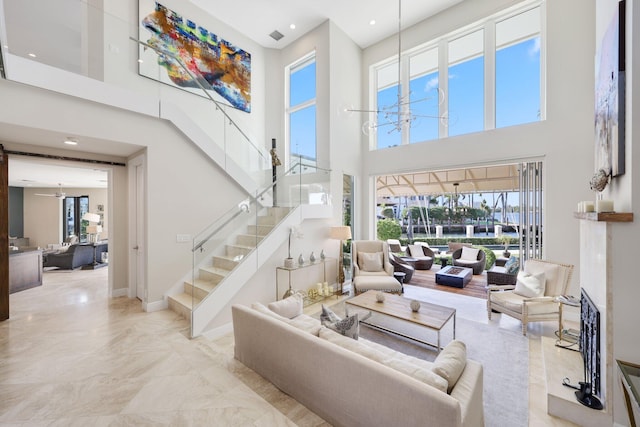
[342,232]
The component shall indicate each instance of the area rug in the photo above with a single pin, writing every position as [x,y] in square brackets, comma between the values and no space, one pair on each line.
[503,354]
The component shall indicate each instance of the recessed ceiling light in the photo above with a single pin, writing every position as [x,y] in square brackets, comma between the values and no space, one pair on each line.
[292,26]
[372,22]
[70,141]
[33,55]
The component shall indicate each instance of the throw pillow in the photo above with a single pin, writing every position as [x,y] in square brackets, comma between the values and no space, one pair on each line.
[512,265]
[328,316]
[530,285]
[416,251]
[349,326]
[370,261]
[469,254]
[451,362]
[289,307]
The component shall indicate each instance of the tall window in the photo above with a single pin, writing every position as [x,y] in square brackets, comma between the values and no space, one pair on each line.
[301,111]
[425,96]
[443,82]
[518,69]
[386,119]
[466,84]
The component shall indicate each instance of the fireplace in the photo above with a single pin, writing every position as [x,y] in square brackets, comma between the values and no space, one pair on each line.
[590,342]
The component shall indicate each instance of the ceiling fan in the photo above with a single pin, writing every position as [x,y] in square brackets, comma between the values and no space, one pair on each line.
[58,194]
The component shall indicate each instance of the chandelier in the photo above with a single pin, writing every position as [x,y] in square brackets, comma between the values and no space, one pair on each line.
[397,116]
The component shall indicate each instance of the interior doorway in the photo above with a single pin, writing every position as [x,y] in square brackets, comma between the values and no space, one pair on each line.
[40,189]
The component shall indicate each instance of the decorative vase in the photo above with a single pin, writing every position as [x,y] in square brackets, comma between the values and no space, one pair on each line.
[506,254]
[288,263]
[300,260]
[380,297]
[312,257]
[415,305]
[322,255]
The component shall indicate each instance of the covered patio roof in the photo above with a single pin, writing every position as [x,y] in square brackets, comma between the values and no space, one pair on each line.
[470,180]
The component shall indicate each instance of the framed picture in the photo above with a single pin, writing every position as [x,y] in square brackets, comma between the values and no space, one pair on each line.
[179,49]
[609,96]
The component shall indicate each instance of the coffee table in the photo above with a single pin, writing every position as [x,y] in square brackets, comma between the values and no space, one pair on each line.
[457,277]
[430,316]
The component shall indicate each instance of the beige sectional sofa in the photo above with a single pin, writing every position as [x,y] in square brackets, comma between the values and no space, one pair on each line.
[352,382]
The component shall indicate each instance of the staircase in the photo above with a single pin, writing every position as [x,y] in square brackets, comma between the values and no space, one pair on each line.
[232,257]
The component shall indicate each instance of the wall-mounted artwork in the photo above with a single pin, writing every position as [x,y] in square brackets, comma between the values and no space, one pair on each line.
[219,65]
[609,95]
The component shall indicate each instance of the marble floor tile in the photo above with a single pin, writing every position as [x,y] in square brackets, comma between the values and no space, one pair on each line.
[72,356]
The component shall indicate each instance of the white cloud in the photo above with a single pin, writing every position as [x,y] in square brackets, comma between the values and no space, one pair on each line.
[431,84]
[534,50]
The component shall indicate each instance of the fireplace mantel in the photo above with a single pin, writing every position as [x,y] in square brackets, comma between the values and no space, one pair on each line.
[605,216]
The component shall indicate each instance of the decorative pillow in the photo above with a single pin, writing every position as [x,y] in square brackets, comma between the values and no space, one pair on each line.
[328,316]
[512,265]
[469,254]
[451,362]
[416,251]
[530,285]
[370,261]
[289,307]
[349,326]
[264,310]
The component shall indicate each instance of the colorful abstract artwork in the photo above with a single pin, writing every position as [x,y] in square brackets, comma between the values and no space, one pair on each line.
[609,96]
[217,64]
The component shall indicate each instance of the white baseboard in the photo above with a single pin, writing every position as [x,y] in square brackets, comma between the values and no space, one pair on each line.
[122,292]
[219,331]
[155,306]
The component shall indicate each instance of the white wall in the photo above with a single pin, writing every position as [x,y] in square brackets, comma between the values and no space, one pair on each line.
[624,293]
[564,141]
[121,69]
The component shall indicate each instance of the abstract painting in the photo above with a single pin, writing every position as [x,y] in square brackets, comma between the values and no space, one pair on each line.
[609,96]
[217,64]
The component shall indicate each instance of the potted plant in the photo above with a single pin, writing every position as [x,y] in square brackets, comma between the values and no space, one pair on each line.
[505,240]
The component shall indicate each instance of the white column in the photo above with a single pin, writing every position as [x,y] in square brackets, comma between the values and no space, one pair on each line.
[469,230]
[439,232]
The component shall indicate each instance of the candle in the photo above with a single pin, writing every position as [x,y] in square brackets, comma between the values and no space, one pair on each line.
[604,205]
[589,206]
[319,287]
[580,207]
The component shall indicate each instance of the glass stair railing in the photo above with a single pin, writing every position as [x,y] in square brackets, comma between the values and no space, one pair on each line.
[233,242]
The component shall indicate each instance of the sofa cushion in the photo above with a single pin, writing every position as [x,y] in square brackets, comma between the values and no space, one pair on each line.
[530,285]
[451,362]
[264,310]
[349,326]
[469,254]
[416,251]
[512,265]
[417,369]
[289,307]
[370,261]
[302,321]
[328,316]
[306,323]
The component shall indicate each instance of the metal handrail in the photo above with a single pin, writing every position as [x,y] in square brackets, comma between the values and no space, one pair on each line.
[251,199]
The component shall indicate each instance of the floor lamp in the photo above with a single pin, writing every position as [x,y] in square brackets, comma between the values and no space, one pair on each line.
[341,233]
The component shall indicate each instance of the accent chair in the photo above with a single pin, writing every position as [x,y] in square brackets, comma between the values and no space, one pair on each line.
[461,258]
[372,269]
[533,297]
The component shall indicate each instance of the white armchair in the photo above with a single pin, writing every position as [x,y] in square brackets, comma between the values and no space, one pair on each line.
[372,268]
[511,300]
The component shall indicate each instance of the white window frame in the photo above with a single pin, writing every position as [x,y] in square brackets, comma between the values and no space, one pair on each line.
[488,25]
[289,110]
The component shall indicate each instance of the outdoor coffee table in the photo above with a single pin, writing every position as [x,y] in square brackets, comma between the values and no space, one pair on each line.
[457,277]
[430,316]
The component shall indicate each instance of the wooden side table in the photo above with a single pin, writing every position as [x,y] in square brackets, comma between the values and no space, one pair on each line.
[630,380]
